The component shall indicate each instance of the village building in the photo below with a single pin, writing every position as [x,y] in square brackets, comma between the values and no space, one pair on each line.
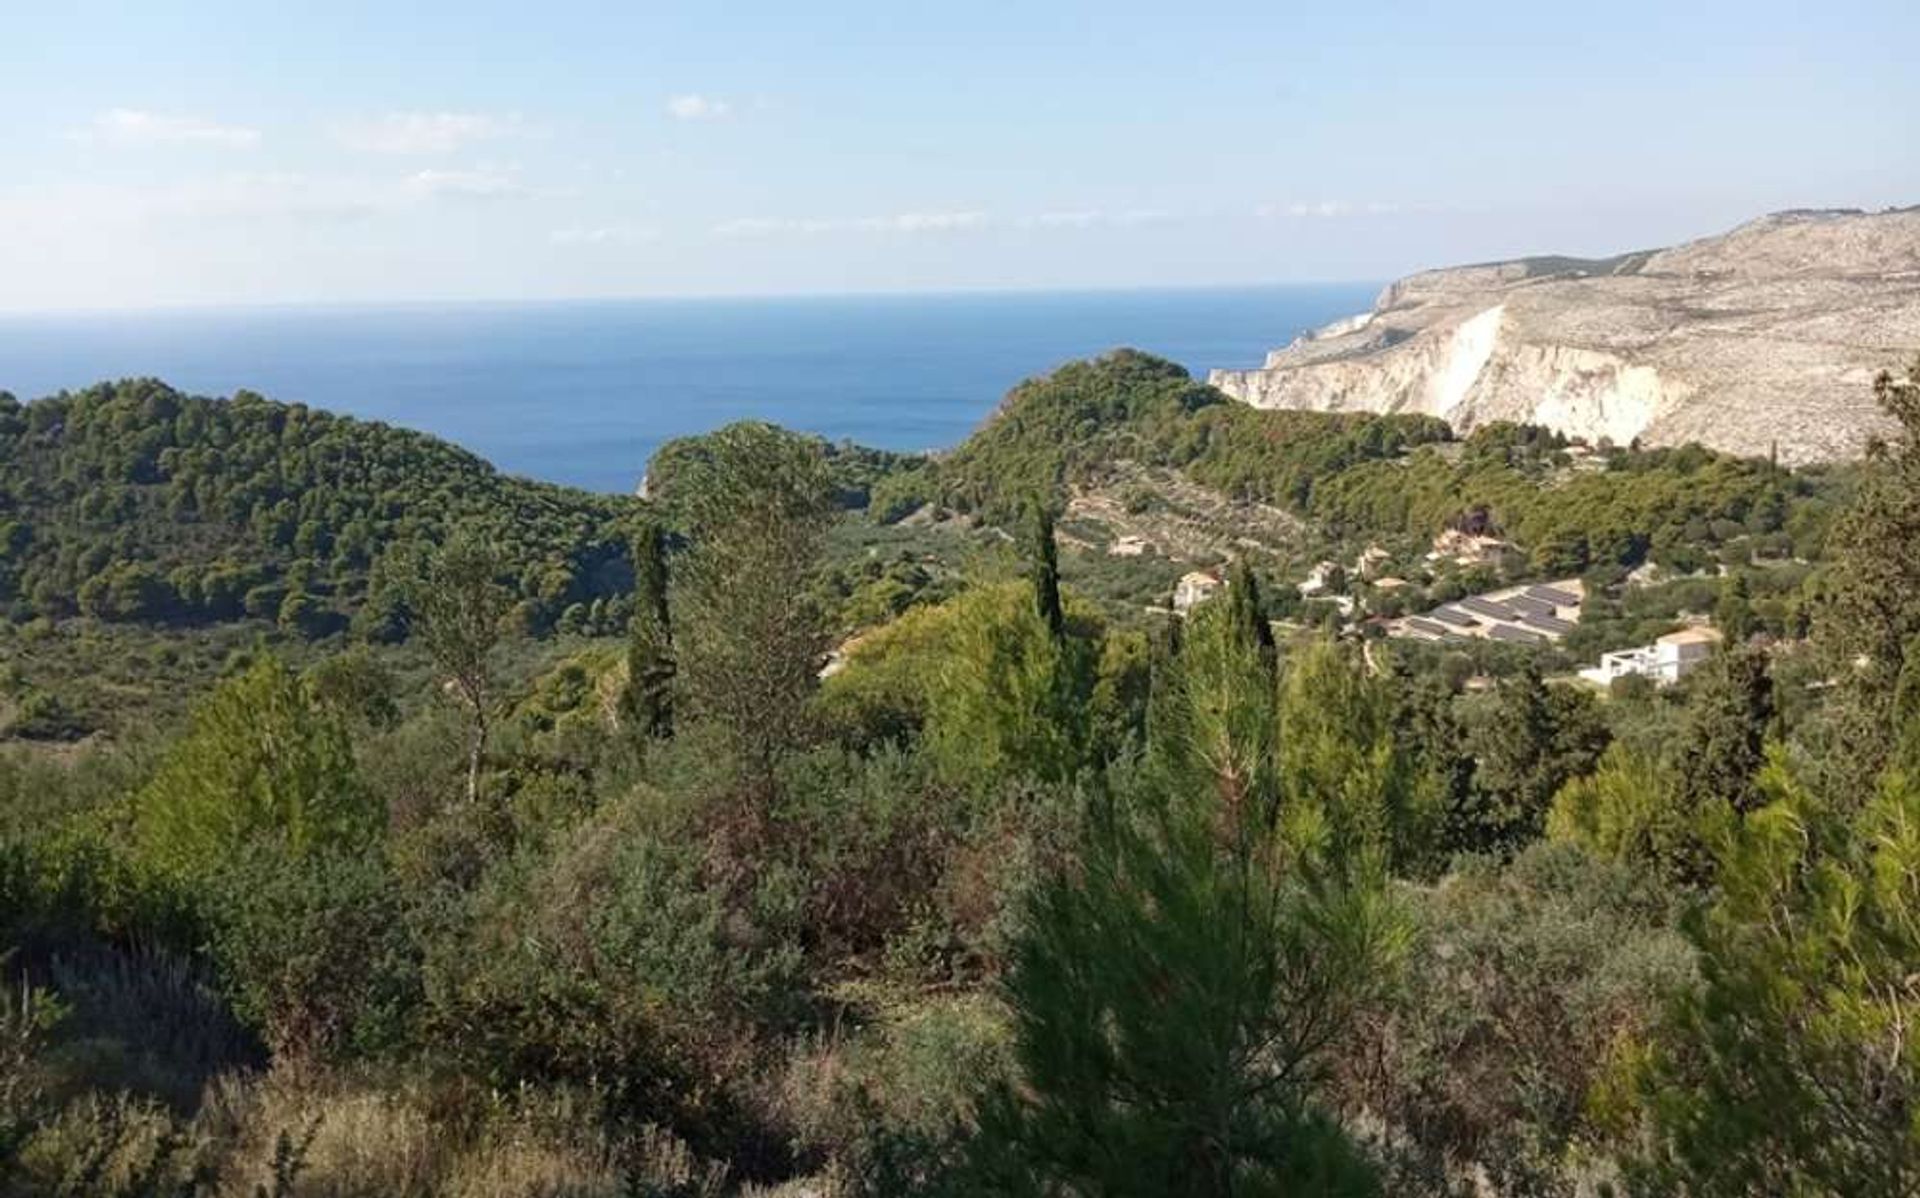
[1669,659]
[1467,548]
[1319,578]
[1194,589]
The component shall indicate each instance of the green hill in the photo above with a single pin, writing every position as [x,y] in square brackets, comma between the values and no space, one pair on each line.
[133,501]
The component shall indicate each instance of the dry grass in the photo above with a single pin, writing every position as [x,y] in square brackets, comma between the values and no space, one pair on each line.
[353,1140]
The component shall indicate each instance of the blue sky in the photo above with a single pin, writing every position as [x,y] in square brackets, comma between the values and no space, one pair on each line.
[231,153]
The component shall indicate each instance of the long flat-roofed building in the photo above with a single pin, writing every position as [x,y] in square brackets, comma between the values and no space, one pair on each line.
[1515,635]
[1552,625]
[1486,607]
[1553,595]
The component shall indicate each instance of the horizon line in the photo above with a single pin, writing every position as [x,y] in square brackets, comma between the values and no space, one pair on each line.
[296,305]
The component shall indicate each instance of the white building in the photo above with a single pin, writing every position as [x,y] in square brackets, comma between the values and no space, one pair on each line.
[1194,589]
[1319,578]
[1666,661]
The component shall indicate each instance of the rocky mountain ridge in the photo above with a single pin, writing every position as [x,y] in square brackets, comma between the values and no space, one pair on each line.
[1767,337]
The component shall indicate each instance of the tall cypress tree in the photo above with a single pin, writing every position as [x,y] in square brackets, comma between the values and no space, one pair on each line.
[1728,714]
[648,700]
[1043,565]
[1734,612]
[1248,614]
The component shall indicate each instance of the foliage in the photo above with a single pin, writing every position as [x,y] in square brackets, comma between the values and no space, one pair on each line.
[315,953]
[1521,980]
[263,763]
[1051,432]
[1348,785]
[357,686]
[855,474]
[1173,1008]
[1791,1071]
[458,607]
[27,1015]
[1872,609]
[1730,710]
[1527,742]
[132,501]
[647,702]
[1026,888]
[1630,810]
[1012,696]
[1176,994]
[749,637]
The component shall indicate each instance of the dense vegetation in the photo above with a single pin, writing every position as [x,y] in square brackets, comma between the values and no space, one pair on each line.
[1017,897]
[131,501]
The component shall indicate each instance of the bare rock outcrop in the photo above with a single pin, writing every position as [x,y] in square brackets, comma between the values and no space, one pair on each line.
[1766,336]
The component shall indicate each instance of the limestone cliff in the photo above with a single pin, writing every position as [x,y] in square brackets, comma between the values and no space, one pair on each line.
[1771,333]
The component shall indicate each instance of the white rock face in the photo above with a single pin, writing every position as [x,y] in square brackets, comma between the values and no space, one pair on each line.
[1768,335]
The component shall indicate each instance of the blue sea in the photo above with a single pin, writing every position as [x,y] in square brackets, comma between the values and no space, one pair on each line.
[584,392]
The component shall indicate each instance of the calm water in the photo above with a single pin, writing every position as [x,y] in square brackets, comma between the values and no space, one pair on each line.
[583,393]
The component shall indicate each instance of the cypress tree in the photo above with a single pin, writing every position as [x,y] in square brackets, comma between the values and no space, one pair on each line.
[1734,612]
[1043,565]
[1728,714]
[1248,615]
[648,700]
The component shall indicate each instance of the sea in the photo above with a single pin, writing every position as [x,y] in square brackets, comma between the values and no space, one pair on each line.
[583,392]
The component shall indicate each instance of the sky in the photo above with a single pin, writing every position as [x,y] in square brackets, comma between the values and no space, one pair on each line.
[159,154]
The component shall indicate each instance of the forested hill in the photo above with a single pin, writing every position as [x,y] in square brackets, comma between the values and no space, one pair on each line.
[131,500]
[1364,477]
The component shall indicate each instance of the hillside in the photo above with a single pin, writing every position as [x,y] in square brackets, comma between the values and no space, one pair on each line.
[1768,335]
[133,501]
[1130,439]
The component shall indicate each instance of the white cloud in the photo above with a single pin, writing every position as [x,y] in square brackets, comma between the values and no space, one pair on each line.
[1096,218]
[133,126]
[472,184]
[424,132]
[608,235]
[905,222]
[926,222]
[695,107]
[1327,209]
[758,226]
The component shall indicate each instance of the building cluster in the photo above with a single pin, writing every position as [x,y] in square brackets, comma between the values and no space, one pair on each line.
[1523,615]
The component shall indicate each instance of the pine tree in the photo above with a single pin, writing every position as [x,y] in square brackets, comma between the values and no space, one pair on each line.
[1791,1070]
[1012,698]
[1247,613]
[1216,722]
[1175,1004]
[748,635]
[262,762]
[1177,995]
[647,702]
[1350,792]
